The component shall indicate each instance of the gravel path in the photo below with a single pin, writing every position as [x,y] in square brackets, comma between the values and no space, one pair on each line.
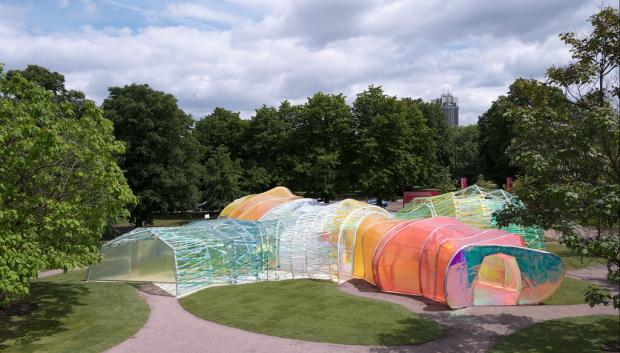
[171,329]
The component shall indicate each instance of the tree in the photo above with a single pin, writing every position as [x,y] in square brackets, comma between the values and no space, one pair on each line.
[592,78]
[466,162]
[320,143]
[54,82]
[393,143]
[222,128]
[268,158]
[495,133]
[430,143]
[221,181]
[162,158]
[60,183]
[435,120]
[497,126]
[567,150]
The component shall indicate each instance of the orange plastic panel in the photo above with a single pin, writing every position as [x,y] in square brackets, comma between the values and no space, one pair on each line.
[254,207]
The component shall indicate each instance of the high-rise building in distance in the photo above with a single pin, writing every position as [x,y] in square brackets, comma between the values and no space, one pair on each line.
[450,106]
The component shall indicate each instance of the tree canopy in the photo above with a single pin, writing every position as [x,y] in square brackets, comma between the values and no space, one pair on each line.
[267,136]
[465,157]
[60,183]
[162,158]
[53,82]
[566,139]
[320,144]
[222,128]
[220,182]
[395,146]
[325,147]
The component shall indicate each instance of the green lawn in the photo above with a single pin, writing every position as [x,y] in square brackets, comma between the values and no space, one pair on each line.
[311,310]
[571,292]
[567,335]
[74,316]
[571,260]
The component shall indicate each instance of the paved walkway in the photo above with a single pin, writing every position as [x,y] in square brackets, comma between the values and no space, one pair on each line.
[172,329]
[49,273]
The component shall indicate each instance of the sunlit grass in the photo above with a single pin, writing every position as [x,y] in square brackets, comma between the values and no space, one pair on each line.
[310,310]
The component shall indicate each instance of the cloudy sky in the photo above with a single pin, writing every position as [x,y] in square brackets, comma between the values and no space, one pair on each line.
[241,54]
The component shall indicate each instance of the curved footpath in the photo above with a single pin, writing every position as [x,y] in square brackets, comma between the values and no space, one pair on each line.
[172,329]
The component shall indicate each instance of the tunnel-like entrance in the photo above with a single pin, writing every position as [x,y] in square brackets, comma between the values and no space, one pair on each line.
[498,281]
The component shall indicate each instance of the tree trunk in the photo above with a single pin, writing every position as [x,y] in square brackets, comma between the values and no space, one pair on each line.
[601,78]
[4,300]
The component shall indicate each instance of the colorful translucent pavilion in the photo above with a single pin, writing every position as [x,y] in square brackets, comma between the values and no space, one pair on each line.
[474,206]
[277,235]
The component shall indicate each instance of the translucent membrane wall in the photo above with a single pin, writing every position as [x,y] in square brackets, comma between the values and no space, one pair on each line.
[277,235]
[193,256]
[311,241]
[448,261]
[474,206]
[440,258]
[253,207]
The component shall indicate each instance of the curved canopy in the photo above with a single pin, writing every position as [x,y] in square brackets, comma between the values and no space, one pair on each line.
[253,207]
[474,206]
[192,256]
[277,235]
[425,257]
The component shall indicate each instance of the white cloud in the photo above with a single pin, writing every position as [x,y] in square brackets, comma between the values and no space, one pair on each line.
[188,10]
[415,49]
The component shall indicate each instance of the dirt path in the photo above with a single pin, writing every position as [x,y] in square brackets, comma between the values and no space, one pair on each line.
[171,329]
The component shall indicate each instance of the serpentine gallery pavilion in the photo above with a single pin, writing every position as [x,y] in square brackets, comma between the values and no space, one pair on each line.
[446,248]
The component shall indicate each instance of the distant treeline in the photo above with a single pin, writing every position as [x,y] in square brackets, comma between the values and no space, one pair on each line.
[378,146]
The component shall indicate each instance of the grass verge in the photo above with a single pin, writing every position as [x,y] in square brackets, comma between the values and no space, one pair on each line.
[73,316]
[311,310]
[571,260]
[571,292]
[568,335]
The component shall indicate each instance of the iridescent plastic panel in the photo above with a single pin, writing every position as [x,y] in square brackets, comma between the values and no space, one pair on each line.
[474,206]
[536,275]
[141,261]
[283,236]
[200,254]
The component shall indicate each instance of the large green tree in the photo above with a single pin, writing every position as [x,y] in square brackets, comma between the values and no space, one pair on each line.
[435,120]
[431,143]
[321,144]
[162,158]
[54,82]
[495,133]
[60,184]
[222,135]
[222,128]
[221,180]
[497,126]
[395,146]
[466,158]
[268,161]
[567,149]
